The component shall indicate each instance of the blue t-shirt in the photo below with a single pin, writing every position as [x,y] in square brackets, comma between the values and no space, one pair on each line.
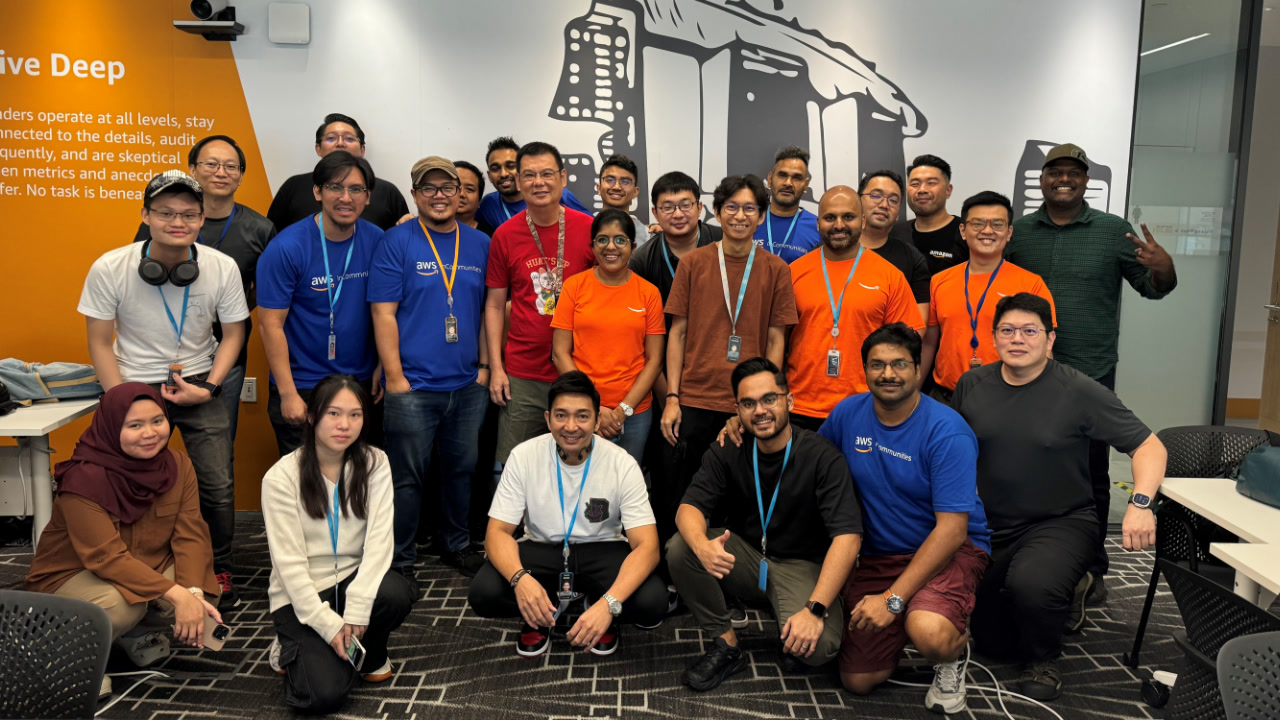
[495,211]
[804,237]
[905,474]
[291,277]
[405,271]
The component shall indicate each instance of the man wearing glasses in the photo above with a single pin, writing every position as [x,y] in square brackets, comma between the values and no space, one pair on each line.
[677,203]
[881,193]
[792,534]
[1034,418]
[427,291]
[962,299]
[1082,254]
[159,300]
[788,230]
[507,201]
[312,297]
[618,187]
[294,201]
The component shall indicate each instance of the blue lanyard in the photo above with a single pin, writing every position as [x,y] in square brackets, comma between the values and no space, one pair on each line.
[742,289]
[768,226]
[503,204]
[324,250]
[333,520]
[560,486]
[755,466]
[973,316]
[666,252]
[186,296]
[835,306]
[225,228]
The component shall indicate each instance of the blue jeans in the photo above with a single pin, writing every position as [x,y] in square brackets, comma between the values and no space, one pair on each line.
[414,421]
[635,434]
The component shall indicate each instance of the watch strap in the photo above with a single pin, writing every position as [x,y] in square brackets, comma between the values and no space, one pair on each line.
[615,605]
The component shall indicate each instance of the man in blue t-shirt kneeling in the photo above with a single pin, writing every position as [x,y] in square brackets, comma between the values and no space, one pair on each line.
[925,537]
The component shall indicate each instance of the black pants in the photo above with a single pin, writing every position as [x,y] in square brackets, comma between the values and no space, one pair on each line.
[1025,595]
[698,429]
[1100,476]
[594,566]
[289,436]
[315,678]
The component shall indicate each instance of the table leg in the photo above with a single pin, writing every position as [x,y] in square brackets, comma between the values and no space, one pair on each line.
[1246,587]
[41,487]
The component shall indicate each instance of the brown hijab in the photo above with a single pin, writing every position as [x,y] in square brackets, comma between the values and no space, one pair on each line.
[99,469]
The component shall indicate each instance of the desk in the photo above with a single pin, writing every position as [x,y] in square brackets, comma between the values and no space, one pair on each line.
[1257,569]
[31,426]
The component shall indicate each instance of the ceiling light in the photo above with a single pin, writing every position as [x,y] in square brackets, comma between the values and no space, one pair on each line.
[1173,44]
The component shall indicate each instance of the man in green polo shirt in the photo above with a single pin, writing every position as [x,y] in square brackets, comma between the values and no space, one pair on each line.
[1083,254]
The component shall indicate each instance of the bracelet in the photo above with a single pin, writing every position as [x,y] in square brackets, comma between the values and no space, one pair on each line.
[482,366]
[673,395]
[515,579]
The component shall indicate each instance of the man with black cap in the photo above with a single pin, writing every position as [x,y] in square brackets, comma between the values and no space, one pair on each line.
[1082,254]
[159,299]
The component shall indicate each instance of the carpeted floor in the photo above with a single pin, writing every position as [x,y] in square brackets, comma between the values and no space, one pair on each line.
[451,664]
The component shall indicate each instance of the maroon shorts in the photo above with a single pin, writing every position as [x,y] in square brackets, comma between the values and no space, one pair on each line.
[950,594]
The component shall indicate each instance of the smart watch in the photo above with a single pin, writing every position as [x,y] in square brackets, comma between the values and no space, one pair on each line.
[1140,501]
[818,609]
[893,602]
[626,409]
[615,607]
[214,390]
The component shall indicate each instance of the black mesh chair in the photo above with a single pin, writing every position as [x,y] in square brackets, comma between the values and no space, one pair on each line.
[1248,677]
[1211,615]
[1182,536]
[53,651]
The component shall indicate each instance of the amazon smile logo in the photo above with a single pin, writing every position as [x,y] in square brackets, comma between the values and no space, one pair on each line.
[862,444]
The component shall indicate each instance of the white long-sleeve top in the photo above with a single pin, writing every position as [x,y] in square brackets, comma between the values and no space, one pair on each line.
[302,557]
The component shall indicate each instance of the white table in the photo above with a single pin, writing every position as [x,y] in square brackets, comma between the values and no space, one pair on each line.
[31,426]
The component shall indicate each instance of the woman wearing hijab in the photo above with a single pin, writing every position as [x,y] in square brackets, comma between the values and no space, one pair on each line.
[126,527]
[329,517]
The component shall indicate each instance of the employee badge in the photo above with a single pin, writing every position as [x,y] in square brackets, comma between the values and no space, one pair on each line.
[451,329]
[735,348]
[833,363]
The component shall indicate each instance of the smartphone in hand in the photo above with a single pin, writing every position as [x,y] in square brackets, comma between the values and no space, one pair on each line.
[355,652]
[215,633]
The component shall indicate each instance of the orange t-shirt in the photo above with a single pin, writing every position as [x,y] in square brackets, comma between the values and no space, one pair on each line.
[877,295]
[609,326]
[947,310]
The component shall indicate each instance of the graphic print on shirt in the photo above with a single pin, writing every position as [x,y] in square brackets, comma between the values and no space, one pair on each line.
[320,283]
[866,444]
[427,268]
[597,510]
[544,298]
[863,444]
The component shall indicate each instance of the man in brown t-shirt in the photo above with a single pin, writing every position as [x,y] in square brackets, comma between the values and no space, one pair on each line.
[714,329]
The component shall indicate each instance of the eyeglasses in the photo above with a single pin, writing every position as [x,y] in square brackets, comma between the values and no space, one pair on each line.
[334,138]
[355,190]
[876,366]
[616,240]
[768,400]
[212,167]
[732,209]
[1058,173]
[166,216]
[977,225]
[877,198]
[430,190]
[544,176]
[622,182]
[685,207]
[1030,332]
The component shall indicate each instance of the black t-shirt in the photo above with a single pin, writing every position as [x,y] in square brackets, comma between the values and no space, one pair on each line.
[244,242]
[1033,440]
[942,248]
[913,265]
[816,503]
[296,200]
[648,263]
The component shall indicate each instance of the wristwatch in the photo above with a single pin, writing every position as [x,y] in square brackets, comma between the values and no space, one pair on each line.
[818,609]
[626,409]
[893,602]
[196,591]
[1140,501]
[214,390]
[615,607]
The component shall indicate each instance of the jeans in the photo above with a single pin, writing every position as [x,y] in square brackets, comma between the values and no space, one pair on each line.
[414,422]
[635,434]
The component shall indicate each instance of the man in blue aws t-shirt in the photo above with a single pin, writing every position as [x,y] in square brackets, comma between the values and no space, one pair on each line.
[505,202]
[925,542]
[788,230]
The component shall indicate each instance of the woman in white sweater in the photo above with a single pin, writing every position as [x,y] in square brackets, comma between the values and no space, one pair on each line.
[328,511]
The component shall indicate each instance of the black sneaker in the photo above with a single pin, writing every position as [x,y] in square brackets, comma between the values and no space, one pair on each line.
[608,643]
[467,561]
[534,641]
[715,667]
[737,614]
[1075,616]
[409,574]
[673,599]
[1097,596]
[229,597]
[1041,681]
[790,664]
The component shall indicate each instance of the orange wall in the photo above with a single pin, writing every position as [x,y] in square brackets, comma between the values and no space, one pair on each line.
[46,243]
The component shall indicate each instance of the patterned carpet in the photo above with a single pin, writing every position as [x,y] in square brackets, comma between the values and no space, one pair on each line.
[452,664]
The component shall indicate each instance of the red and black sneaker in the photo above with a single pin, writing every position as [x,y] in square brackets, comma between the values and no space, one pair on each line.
[533,641]
[229,597]
[608,642]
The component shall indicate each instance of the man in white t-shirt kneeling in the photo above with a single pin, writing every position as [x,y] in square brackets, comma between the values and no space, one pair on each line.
[566,485]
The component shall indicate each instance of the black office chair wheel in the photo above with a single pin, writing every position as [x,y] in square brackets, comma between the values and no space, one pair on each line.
[1155,693]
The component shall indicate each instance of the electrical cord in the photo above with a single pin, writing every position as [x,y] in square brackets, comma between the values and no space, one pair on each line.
[995,687]
[146,675]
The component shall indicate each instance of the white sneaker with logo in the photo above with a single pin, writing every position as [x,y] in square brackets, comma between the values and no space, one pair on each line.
[947,693]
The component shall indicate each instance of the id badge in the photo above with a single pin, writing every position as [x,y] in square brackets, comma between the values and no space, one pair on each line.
[735,348]
[764,574]
[833,363]
[975,362]
[175,372]
[451,329]
[333,346]
[565,591]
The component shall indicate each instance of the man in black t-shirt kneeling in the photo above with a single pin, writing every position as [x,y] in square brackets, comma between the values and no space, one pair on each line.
[1034,418]
[797,563]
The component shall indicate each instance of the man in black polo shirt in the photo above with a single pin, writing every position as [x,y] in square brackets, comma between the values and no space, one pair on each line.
[934,231]
[296,198]
[797,558]
[881,194]
[1034,418]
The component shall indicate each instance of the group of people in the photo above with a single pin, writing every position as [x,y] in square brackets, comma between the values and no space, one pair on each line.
[935,414]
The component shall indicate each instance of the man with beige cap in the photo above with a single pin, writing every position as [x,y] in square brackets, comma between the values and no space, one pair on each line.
[426,289]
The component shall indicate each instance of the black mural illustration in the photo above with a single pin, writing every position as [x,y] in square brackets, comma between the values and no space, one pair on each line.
[1026,183]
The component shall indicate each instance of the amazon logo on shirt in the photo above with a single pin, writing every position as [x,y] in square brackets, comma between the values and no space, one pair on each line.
[320,283]
[429,266]
[863,444]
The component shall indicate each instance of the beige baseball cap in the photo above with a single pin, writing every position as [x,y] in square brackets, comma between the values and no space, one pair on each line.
[420,169]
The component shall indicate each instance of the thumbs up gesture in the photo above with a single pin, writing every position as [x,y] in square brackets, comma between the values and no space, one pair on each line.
[717,561]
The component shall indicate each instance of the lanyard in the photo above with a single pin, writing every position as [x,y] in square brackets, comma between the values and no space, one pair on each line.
[558,275]
[755,466]
[742,289]
[177,326]
[225,228]
[447,280]
[503,204]
[835,306]
[768,226]
[324,250]
[973,315]
[333,521]
[666,253]
[574,518]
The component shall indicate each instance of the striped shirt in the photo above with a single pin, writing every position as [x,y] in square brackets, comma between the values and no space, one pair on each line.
[1083,262]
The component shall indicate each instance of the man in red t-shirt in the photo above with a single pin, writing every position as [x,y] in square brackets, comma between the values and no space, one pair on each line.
[529,270]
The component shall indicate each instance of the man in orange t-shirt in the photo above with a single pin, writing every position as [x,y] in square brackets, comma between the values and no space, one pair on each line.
[958,338]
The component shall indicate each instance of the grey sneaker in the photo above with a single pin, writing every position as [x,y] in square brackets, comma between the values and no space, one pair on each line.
[1075,617]
[947,693]
[273,657]
[1041,681]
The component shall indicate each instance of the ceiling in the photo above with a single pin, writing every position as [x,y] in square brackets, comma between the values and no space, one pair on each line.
[1167,21]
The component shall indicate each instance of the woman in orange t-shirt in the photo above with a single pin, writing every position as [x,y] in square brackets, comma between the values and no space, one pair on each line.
[609,325]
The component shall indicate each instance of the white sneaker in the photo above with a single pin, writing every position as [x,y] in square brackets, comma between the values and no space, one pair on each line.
[145,650]
[273,656]
[947,694]
[104,690]
[382,674]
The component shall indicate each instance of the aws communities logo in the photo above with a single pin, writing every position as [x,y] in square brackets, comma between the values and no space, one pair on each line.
[863,444]
[320,283]
[429,267]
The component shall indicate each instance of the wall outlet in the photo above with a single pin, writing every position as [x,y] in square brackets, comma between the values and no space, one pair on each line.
[249,393]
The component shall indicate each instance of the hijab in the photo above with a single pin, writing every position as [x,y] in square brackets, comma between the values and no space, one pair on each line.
[101,471]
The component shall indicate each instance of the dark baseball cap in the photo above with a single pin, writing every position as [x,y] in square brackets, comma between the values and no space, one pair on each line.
[1069,152]
[172,181]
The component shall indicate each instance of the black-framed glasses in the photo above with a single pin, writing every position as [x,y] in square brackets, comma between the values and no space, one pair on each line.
[876,198]
[333,138]
[977,224]
[1030,332]
[616,240]
[447,190]
[670,208]
[768,400]
[355,190]
[167,216]
[212,167]
[900,365]
[749,210]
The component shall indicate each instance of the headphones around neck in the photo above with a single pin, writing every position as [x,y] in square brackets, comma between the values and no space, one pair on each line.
[155,273]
